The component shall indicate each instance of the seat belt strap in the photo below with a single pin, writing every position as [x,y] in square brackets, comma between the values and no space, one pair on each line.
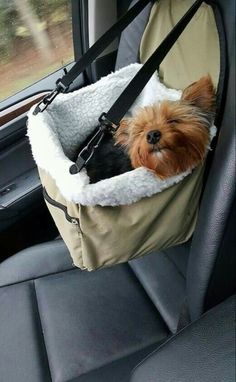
[62,84]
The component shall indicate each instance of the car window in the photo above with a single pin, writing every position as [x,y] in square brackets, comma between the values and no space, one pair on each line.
[35,40]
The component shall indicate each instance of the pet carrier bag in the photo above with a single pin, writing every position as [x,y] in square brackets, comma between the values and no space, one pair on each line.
[127,216]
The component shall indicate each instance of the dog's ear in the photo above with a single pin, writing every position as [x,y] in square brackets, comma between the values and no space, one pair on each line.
[122,134]
[201,93]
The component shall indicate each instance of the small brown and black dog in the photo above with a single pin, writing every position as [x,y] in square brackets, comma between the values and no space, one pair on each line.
[168,138]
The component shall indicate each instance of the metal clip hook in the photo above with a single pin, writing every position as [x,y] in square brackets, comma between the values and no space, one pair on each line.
[42,105]
[109,125]
[60,88]
[87,152]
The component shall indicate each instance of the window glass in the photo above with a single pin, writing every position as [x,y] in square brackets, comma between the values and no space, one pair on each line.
[35,40]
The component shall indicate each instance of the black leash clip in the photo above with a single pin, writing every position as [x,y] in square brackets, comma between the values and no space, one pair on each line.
[87,152]
[42,105]
[109,125]
[47,100]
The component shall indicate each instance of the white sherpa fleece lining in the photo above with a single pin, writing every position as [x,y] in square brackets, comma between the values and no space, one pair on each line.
[56,134]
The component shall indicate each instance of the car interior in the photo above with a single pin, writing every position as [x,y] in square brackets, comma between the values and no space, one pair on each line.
[167,316]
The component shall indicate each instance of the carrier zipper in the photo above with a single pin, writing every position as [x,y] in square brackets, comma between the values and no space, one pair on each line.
[61,207]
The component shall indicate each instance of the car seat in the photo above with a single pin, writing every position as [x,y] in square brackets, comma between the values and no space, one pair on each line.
[61,324]
[196,268]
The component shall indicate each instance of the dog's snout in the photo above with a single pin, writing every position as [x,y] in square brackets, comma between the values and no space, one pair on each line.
[153,136]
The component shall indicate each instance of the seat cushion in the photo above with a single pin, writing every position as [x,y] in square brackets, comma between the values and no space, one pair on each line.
[204,351]
[66,323]
[23,354]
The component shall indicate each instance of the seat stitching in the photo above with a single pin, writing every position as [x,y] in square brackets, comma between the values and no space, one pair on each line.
[173,263]
[41,327]
[38,278]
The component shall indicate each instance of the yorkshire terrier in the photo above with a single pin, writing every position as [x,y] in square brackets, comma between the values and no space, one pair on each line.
[168,138]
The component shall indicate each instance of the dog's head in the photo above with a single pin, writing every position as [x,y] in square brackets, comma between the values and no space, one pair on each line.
[172,136]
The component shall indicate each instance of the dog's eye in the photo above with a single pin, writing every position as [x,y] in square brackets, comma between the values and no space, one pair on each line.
[173,120]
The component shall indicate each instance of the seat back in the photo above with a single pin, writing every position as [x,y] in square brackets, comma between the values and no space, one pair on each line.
[211,266]
[210,271]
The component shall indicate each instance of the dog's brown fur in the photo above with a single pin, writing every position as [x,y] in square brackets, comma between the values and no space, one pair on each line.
[184,128]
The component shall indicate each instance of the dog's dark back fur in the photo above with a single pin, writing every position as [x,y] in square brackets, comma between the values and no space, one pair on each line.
[108,160]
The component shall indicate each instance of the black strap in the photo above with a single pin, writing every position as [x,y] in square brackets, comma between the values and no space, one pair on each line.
[63,83]
[131,92]
[110,121]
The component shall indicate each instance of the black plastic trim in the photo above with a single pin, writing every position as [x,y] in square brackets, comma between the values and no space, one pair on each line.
[103,66]
[83,6]
[13,131]
[76,29]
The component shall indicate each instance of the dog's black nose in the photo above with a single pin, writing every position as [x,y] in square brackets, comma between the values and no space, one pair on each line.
[153,136]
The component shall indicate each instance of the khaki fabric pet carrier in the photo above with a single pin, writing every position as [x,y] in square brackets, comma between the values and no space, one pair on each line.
[112,222]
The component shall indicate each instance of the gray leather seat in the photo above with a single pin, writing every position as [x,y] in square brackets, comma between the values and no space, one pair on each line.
[198,269]
[204,351]
[61,324]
